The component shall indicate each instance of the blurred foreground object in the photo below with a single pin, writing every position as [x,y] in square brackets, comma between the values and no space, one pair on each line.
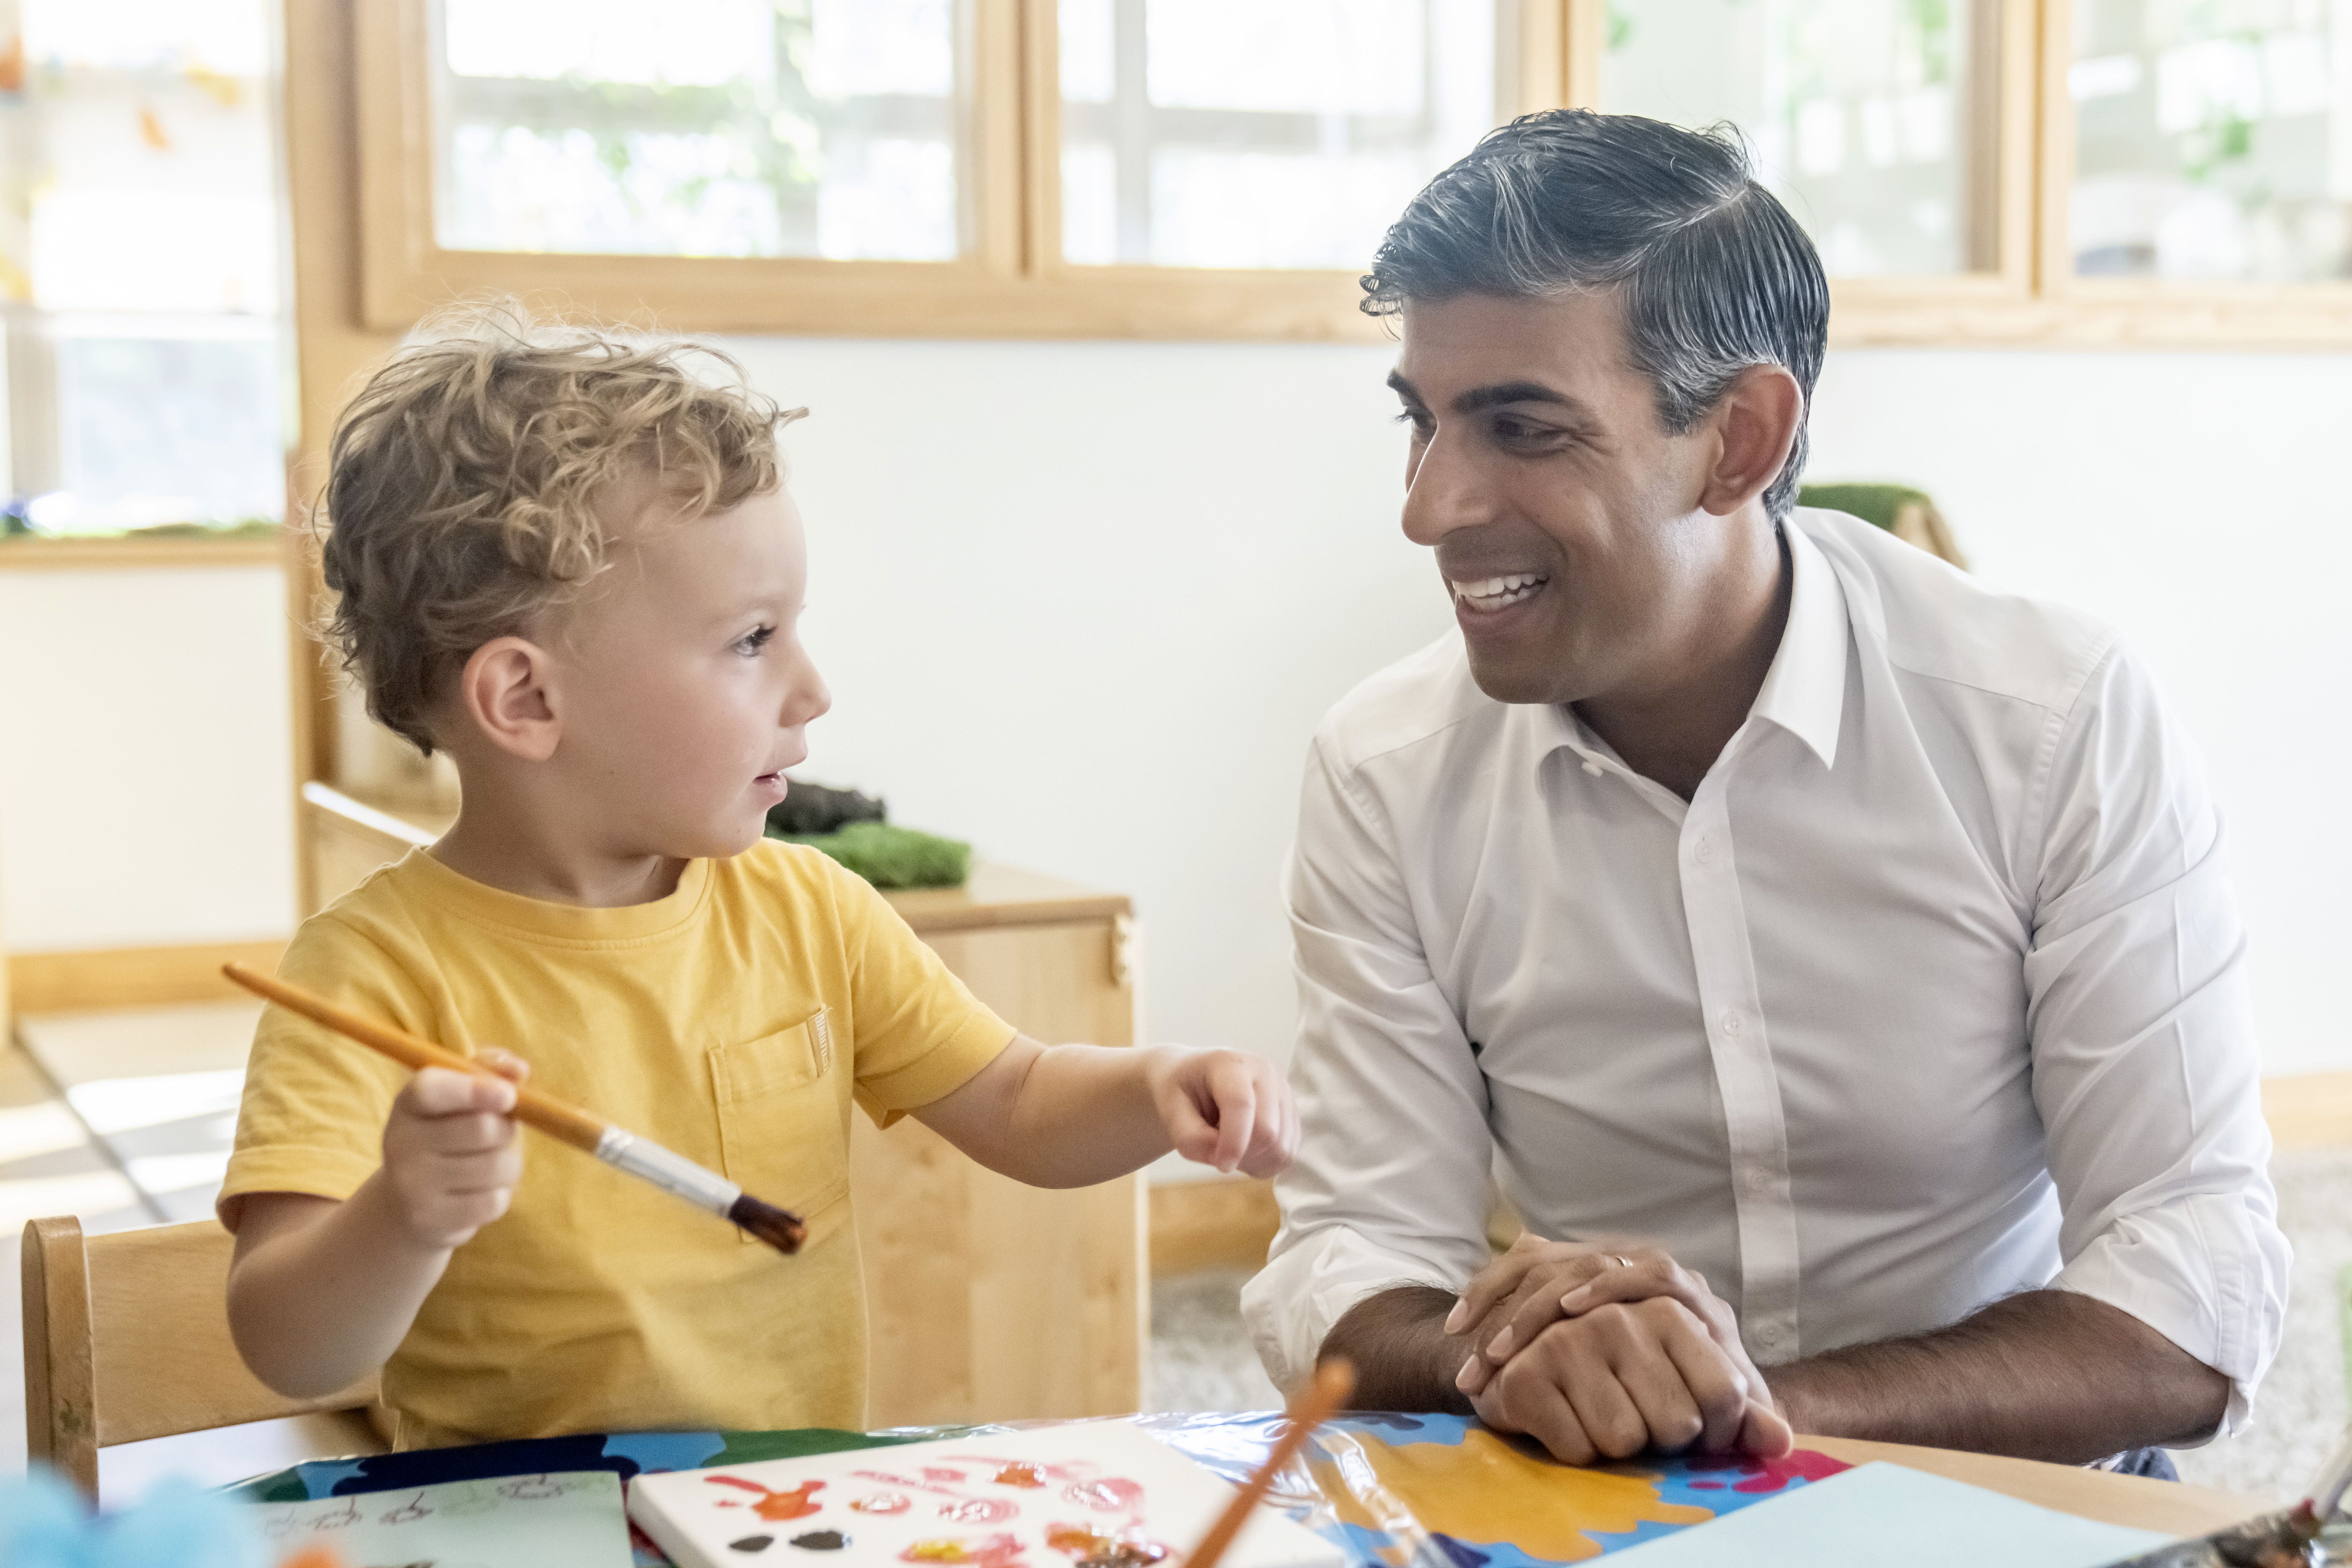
[178,1524]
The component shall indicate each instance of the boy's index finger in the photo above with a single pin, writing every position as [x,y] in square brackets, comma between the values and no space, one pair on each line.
[440,1091]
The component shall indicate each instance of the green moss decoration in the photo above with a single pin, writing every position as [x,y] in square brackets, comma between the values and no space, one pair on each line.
[1874,504]
[891,856]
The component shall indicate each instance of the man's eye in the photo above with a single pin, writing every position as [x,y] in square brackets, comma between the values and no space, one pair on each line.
[750,645]
[1416,417]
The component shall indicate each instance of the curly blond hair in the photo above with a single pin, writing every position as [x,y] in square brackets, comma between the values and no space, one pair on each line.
[466,481]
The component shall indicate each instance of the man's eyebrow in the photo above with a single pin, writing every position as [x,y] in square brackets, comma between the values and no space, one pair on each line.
[1495,396]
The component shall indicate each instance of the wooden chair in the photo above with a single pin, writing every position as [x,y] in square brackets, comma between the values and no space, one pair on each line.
[126,1338]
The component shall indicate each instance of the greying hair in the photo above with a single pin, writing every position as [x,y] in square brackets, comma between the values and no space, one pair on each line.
[1715,274]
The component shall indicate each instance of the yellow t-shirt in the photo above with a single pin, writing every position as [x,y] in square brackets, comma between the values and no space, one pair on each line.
[733,1022]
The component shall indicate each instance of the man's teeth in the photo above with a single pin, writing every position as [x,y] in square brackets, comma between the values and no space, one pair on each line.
[1493,593]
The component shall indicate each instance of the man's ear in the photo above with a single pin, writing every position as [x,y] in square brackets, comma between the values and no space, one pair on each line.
[507,691]
[1756,422]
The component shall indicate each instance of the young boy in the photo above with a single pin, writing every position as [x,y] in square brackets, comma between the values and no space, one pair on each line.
[568,560]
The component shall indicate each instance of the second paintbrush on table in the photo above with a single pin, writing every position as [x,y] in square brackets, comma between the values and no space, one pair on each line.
[673,1173]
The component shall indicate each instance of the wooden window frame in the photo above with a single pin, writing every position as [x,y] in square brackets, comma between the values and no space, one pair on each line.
[1961,307]
[2145,312]
[1014,283]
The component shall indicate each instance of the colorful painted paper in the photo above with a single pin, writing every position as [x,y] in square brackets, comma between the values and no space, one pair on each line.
[571,1519]
[1388,1490]
[1881,1513]
[1096,1494]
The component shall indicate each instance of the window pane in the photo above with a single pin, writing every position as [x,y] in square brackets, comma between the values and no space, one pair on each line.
[155,429]
[1869,118]
[140,233]
[1277,133]
[2213,140]
[823,128]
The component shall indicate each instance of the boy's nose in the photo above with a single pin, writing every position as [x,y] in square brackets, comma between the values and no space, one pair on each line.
[809,698]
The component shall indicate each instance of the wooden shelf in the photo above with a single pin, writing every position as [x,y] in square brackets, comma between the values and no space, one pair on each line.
[23,554]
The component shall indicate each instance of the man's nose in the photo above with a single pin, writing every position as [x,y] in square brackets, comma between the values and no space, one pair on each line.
[1444,491]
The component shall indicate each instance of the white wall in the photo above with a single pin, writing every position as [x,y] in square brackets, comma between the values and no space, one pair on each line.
[1083,602]
[146,761]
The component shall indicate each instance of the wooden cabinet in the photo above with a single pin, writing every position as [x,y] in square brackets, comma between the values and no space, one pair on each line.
[987,1301]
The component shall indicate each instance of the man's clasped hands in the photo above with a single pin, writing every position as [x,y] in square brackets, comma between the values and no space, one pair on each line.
[1601,1355]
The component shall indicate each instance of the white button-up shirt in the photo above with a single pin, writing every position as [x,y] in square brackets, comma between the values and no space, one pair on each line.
[1933,991]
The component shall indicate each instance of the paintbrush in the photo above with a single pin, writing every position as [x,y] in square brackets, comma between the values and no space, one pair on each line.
[780,1228]
[1312,1405]
[2282,1539]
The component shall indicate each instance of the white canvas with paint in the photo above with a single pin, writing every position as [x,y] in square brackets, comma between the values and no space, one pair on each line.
[568,1521]
[1100,1494]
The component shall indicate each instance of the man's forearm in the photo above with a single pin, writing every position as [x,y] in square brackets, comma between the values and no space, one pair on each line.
[1404,1358]
[2050,1374]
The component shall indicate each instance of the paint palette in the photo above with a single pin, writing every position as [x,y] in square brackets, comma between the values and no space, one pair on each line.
[1091,1494]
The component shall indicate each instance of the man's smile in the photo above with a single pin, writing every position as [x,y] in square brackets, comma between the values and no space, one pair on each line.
[1487,595]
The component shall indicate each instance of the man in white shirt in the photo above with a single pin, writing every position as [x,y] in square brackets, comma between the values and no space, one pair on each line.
[1829,955]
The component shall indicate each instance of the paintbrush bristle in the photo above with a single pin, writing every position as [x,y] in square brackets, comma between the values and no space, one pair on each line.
[780,1228]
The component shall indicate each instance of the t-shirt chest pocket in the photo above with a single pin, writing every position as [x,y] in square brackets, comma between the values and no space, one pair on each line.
[781,1114]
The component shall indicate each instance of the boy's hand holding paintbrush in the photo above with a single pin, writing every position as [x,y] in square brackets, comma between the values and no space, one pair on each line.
[452,1153]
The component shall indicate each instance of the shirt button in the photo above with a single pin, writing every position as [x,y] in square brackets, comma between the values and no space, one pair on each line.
[1769,1333]
[1731,1023]
[1759,1179]
[1592,767]
[1703,851]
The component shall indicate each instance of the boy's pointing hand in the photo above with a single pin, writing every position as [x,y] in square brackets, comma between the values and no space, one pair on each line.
[1226,1108]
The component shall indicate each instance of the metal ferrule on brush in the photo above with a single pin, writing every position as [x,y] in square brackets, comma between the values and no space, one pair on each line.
[671,1171]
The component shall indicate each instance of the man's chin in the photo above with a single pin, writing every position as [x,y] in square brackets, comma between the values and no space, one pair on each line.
[1515,680]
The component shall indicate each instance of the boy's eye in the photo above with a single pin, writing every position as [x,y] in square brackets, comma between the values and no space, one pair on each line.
[750,644]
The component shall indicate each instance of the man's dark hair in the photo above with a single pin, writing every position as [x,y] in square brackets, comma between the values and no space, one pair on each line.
[1715,274]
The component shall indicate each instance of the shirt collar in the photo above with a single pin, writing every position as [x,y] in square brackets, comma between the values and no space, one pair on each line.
[1803,691]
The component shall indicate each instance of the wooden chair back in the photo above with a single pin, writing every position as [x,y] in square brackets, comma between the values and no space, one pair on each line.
[126,1338]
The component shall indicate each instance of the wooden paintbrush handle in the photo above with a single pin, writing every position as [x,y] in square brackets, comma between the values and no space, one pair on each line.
[1311,1406]
[553,1117]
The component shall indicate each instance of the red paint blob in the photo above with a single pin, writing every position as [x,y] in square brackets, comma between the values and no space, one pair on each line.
[978,1511]
[883,1502]
[1107,1495]
[1770,1475]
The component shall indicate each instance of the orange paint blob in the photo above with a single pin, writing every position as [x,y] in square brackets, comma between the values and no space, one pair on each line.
[797,1503]
[1488,1490]
[1095,1549]
[1019,1475]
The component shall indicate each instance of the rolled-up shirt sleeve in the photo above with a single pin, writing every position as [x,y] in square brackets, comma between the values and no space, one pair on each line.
[1389,1185]
[2144,1066]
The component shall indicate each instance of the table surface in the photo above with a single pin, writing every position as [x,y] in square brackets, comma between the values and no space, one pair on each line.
[2173,1508]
